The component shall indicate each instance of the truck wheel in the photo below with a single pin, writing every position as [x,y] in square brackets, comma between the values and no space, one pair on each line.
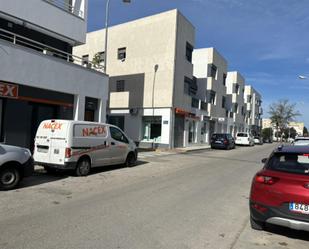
[83,167]
[131,160]
[9,178]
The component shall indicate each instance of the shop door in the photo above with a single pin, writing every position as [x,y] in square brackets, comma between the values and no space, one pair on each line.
[179,130]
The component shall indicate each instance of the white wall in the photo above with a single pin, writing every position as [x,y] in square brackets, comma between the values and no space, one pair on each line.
[49,17]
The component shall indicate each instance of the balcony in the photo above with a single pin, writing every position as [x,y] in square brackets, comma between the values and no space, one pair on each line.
[67,6]
[62,19]
[119,100]
[46,50]
[31,63]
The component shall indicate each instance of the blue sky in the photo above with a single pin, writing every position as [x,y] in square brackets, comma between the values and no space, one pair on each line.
[267,41]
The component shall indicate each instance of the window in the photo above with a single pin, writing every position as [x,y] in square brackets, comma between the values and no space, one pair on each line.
[224,79]
[236,108]
[212,98]
[236,88]
[190,86]
[101,56]
[242,110]
[195,103]
[85,59]
[226,113]
[249,99]
[189,50]
[296,163]
[118,135]
[122,53]
[223,101]
[120,86]
[203,106]
[187,86]
[212,71]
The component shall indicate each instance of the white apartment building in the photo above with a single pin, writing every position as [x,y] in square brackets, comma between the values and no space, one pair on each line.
[235,88]
[210,69]
[38,79]
[152,92]
[253,102]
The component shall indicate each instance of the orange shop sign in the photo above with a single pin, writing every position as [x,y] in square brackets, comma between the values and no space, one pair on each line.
[8,90]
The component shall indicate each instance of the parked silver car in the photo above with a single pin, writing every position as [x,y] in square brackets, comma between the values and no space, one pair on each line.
[15,163]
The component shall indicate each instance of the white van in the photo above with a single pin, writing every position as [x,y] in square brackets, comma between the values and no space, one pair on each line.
[244,138]
[81,145]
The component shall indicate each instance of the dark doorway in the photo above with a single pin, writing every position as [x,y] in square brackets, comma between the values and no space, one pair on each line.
[117,121]
[179,130]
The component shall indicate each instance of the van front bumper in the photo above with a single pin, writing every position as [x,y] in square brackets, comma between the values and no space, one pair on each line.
[65,166]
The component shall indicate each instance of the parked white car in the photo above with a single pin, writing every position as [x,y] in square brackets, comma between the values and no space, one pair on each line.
[15,164]
[81,145]
[301,141]
[244,138]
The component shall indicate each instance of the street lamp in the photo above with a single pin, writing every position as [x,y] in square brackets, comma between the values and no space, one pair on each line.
[106,29]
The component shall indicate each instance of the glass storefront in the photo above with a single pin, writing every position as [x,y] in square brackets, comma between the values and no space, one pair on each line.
[152,128]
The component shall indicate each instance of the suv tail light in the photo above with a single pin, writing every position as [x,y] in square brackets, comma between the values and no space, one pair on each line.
[225,142]
[268,180]
[68,152]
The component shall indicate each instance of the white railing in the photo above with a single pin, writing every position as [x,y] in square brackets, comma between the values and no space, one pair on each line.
[64,5]
[46,49]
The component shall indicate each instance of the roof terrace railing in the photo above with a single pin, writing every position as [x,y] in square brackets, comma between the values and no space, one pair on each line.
[66,6]
[46,49]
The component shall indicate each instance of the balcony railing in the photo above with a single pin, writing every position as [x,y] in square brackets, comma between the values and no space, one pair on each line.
[46,50]
[64,5]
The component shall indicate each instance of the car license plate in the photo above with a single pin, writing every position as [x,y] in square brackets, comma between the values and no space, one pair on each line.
[299,208]
[218,142]
[56,151]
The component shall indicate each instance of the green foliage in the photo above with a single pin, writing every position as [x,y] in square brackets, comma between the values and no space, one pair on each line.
[267,133]
[305,131]
[290,132]
[281,113]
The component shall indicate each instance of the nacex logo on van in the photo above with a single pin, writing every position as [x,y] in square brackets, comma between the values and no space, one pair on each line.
[52,126]
[94,131]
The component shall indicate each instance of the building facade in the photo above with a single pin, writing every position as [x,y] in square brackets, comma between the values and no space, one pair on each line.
[162,91]
[253,103]
[235,83]
[39,77]
[210,69]
[151,86]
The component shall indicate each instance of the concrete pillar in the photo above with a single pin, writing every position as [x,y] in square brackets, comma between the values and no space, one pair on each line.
[102,111]
[79,107]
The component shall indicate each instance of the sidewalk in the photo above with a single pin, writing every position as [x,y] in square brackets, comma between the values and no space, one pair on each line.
[146,153]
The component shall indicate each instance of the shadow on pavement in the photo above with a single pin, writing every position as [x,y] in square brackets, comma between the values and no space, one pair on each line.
[40,177]
[287,232]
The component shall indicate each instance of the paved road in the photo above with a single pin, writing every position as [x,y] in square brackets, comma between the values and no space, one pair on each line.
[193,200]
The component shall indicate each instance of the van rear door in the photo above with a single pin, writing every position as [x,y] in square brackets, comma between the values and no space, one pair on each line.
[50,142]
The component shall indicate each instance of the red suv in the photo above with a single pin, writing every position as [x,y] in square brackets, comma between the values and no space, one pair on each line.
[280,191]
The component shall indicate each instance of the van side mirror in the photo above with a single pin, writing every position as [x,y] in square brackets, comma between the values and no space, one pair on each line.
[264,160]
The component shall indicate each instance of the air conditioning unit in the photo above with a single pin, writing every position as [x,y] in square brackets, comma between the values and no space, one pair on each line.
[134,111]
